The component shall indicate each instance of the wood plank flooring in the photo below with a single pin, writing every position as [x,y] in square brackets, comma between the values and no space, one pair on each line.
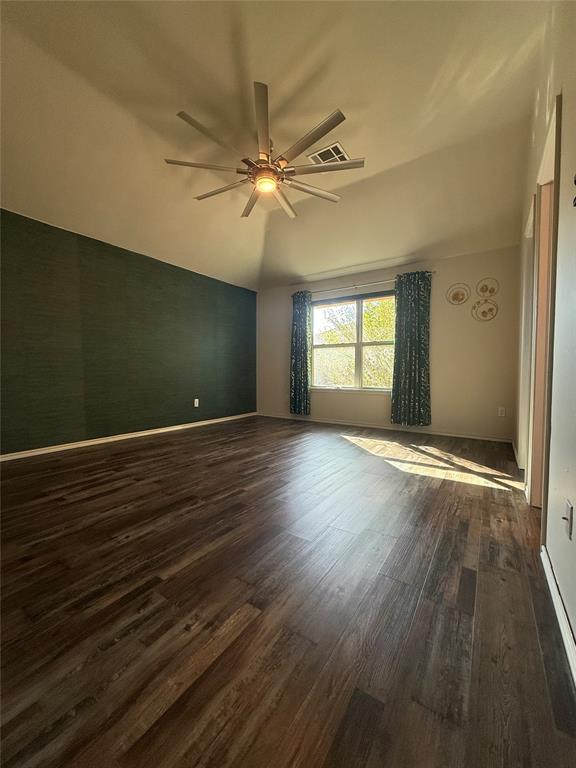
[276,594]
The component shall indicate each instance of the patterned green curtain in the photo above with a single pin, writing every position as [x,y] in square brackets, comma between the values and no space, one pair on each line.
[301,353]
[411,383]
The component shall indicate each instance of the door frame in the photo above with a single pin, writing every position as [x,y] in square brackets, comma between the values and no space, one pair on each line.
[549,172]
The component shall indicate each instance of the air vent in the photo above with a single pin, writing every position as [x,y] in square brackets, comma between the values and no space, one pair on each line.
[333,154]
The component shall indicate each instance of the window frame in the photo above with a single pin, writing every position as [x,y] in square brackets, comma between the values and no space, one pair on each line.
[358,345]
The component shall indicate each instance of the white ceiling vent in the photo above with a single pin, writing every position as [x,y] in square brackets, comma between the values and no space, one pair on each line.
[333,154]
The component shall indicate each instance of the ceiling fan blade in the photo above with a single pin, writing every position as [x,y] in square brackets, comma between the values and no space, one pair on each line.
[284,203]
[206,132]
[222,189]
[249,163]
[312,136]
[312,190]
[252,200]
[262,120]
[207,166]
[344,165]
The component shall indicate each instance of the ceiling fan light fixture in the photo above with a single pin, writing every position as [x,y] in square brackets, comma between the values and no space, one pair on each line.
[266,183]
[271,174]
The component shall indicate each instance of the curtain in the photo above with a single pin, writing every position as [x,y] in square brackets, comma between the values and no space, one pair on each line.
[411,382]
[301,353]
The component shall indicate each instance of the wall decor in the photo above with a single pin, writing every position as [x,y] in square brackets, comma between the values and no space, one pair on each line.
[487,287]
[484,310]
[458,293]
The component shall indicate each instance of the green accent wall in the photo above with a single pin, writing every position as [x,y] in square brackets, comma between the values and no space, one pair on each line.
[100,341]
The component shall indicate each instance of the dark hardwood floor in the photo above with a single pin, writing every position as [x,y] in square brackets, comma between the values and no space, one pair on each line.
[273,594]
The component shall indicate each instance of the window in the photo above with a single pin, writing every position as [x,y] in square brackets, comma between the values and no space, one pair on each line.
[353,342]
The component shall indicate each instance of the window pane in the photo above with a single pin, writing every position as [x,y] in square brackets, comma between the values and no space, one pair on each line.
[335,323]
[378,319]
[334,367]
[377,366]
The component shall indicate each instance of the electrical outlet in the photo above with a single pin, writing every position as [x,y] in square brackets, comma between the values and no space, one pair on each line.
[568,518]
[196,402]
[501,410]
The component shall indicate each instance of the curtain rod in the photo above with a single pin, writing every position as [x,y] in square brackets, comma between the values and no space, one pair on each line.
[362,285]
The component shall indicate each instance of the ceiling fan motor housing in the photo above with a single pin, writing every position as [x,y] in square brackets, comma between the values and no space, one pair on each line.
[266,176]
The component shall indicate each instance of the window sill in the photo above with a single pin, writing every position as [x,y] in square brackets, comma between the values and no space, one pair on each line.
[364,390]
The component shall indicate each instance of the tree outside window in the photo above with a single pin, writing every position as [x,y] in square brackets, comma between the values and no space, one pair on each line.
[353,342]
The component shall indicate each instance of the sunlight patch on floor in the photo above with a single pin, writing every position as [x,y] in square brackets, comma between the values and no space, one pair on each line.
[466,463]
[429,461]
[388,449]
[446,474]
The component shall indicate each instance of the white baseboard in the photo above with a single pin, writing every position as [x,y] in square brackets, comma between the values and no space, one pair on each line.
[114,438]
[391,427]
[560,610]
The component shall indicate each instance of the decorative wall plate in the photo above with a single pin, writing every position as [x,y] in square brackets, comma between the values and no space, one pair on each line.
[487,287]
[459,293]
[484,310]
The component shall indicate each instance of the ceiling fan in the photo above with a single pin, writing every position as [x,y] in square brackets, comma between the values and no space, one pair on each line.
[271,172]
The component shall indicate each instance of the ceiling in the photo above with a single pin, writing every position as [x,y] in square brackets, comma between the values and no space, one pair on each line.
[437,98]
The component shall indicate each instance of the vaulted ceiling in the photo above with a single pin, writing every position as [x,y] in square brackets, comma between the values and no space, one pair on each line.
[437,98]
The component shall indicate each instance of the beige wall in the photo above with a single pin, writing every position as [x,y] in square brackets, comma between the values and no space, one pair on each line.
[558,74]
[473,364]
